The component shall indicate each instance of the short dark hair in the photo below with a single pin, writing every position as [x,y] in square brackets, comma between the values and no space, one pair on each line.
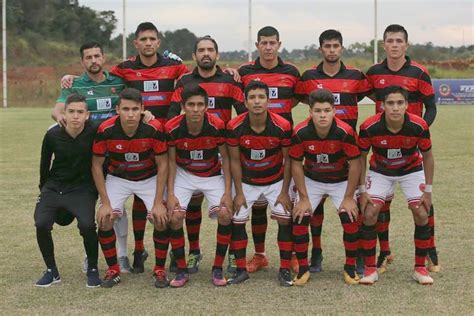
[320,96]
[193,90]
[330,35]
[206,38]
[131,94]
[88,45]
[75,97]
[394,89]
[268,31]
[146,26]
[395,28]
[254,85]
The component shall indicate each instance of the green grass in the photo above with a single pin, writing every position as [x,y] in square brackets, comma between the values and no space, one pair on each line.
[22,130]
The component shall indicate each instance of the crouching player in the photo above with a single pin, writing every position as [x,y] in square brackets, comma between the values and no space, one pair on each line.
[396,138]
[258,144]
[331,167]
[67,185]
[195,140]
[138,164]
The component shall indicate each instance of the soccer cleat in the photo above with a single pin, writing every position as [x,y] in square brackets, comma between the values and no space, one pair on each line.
[194,259]
[301,280]
[238,277]
[294,263]
[351,280]
[421,276]
[284,276]
[180,279]
[218,278]
[93,279]
[111,279]
[139,258]
[124,264]
[257,262]
[432,262]
[232,264]
[370,276]
[316,264]
[383,261]
[50,277]
[85,265]
[173,265]
[161,280]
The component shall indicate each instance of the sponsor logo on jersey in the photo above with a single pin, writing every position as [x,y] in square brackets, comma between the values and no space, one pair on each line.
[337,98]
[322,158]
[196,154]
[151,86]
[90,92]
[211,104]
[119,147]
[132,157]
[104,104]
[257,154]
[273,92]
[394,153]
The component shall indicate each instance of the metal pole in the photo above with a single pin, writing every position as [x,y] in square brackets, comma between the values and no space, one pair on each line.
[250,31]
[376,46]
[4,45]
[124,34]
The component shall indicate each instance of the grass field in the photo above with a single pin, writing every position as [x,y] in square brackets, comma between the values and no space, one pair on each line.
[22,130]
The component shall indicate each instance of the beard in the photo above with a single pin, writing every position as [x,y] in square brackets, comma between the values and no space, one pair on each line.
[206,65]
[94,69]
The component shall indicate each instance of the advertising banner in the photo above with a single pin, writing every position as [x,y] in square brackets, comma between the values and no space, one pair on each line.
[454,91]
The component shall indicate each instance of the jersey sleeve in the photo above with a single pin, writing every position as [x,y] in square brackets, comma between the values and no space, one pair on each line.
[424,140]
[286,135]
[231,137]
[117,71]
[99,147]
[364,88]
[297,149]
[175,105]
[159,142]
[364,139]
[45,162]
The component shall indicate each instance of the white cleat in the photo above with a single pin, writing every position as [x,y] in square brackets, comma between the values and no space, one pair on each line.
[421,276]
[370,276]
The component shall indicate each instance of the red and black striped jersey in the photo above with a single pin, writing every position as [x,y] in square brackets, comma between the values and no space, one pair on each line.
[412,76]
[130,158]
[197,154]
[395,154]
[348,86]
[325,159]
[261,154]
[223,91]
[281,81]
[156,82]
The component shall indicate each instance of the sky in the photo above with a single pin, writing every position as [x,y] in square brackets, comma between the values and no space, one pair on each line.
[444,23]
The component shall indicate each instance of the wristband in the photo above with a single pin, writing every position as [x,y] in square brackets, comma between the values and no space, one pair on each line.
[428,188]
[362,189]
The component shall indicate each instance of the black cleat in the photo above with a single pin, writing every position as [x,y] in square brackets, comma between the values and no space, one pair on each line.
[139,258]
[316,264]
[111,279]
[284,276]
[161,280]
[238,277]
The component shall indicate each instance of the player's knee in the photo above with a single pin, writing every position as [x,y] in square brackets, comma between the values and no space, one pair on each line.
[106,225]
[177,219]
[223,217]
[160,227]
[43,225]
[371,214]
[283,221]
[420,215]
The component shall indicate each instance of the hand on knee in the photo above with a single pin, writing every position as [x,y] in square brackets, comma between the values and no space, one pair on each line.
[177,219]
[223,217]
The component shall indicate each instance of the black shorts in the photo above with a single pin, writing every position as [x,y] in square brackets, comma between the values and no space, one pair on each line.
[78,203]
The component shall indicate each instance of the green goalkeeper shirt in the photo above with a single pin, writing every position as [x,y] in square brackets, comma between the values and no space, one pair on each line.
[101,97]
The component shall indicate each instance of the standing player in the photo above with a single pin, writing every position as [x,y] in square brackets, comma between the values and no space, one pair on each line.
[258,144]
[348,85]
[223,93]
[396,138]
[399,69]
[67,185]
[331,167]
[281,78]
[154,76]
[138,165]
[195,141]
[101,90]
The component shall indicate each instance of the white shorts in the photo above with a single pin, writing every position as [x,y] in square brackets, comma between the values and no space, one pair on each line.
[119,190]
[187,184]
[381,187]
[254,193]
[319,190]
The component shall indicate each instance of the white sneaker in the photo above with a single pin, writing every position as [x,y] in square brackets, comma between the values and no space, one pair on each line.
[421,276]
[370,276]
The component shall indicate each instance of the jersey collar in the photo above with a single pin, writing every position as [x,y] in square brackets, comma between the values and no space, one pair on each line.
[259,65]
